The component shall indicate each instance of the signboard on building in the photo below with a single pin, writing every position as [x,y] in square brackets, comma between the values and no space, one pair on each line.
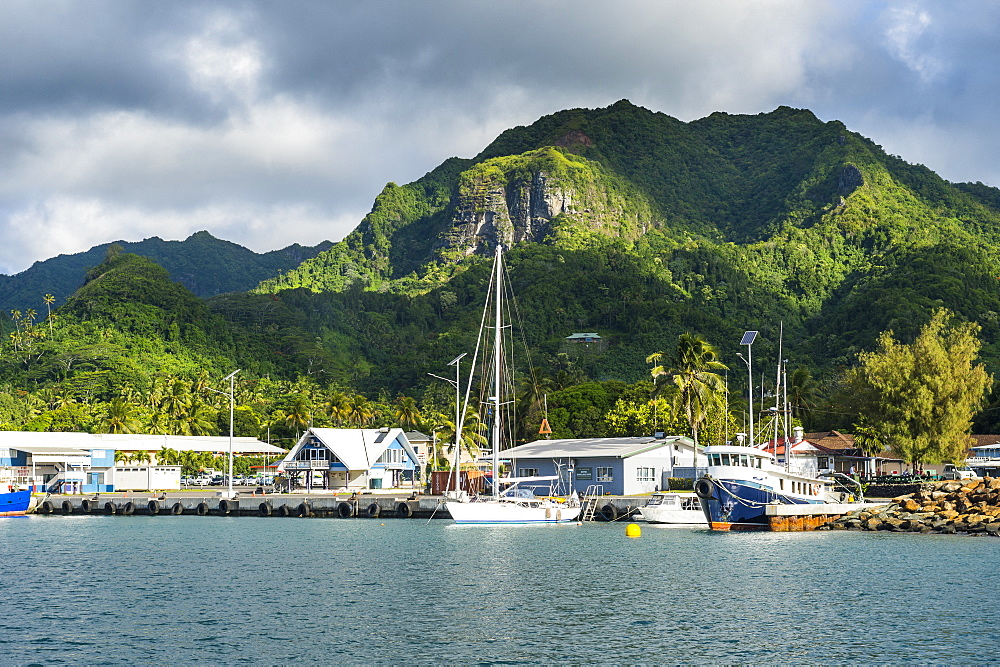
[585,474]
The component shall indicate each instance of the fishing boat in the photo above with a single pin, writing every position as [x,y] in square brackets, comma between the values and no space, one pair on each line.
[741,481]
[680,508]
[512,500]
[13,503]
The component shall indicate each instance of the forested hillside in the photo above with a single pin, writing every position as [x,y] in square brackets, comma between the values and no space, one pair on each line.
[204,264]
[619,221]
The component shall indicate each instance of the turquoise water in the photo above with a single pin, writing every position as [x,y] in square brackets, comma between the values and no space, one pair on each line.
[178,590]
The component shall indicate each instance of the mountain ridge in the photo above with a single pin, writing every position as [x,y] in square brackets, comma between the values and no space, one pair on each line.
[203,263]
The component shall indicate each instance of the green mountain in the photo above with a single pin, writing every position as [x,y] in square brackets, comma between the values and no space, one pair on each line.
[640,226]
[204,264]
[619,221]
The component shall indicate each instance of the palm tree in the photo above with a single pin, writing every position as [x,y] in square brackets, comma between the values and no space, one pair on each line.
[361,411]
[49,300]
[298,416]
[698,387]
[120,417]
[407,413]
[338,405]
[473,435]
[803,392]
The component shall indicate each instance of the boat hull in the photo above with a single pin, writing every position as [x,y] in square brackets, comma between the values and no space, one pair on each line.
[739,505]
[668,515]
[14,503]
[492,512]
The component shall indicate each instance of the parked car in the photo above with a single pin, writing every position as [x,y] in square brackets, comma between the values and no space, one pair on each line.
[961,471]
[199,481]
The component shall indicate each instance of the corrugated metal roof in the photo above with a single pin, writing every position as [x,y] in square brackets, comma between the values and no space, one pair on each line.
[25,440]
[186,443]
[592,447]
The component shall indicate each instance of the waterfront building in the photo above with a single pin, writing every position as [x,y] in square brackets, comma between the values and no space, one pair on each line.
[619,466]
[351,459]
[87,462]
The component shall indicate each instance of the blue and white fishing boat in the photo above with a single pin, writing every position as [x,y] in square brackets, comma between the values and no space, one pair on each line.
[13,503]
[741,481]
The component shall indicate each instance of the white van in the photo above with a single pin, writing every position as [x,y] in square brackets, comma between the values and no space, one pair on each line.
[960,471]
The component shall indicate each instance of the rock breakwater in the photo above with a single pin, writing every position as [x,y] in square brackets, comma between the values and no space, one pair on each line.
[968,506]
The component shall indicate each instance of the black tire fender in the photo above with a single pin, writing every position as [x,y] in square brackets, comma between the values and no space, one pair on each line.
[704,488]
[128,508]
[609,512]
[202,509]
[67,507]
[284,511]
[404,510]
[177,508]
[225,507]
[109,508]
[264,509]
[87,505]
[345,510]
[372,511]
[304,509]
[47,507]
[153,507]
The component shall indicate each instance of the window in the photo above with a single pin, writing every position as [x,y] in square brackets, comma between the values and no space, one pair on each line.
[605,475]
[645,474]
[527,472]
[391,456]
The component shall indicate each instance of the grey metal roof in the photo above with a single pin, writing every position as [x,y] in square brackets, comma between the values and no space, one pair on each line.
[592,447]
[185,443]
[29,441]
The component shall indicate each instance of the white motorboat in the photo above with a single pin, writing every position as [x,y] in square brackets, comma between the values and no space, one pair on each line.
[673,508]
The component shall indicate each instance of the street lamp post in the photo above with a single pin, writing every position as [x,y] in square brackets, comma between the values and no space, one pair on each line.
[748,339]
[456,362]
[232,400]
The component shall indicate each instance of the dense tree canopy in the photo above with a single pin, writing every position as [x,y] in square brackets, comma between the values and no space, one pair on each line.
[919,398]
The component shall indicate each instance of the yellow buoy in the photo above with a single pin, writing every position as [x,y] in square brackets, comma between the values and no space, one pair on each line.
[633,530]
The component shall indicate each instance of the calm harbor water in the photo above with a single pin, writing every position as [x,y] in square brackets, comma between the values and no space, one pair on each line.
[174,590]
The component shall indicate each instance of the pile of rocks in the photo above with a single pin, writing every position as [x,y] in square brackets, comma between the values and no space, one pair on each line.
[968,506]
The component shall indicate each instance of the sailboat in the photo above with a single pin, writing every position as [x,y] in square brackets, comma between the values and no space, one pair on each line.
[512,499]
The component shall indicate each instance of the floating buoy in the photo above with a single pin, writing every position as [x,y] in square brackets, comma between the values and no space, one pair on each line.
[633,530]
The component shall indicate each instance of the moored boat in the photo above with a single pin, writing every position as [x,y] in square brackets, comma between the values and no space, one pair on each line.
[508,503]
[679,508]
[741,481]
[14,503]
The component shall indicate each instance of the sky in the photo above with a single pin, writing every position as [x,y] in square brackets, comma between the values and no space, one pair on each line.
[271,123]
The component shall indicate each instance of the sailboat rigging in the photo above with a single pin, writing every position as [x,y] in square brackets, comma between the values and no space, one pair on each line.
[510,500]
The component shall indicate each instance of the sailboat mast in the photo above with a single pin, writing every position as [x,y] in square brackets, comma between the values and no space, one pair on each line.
[497,349]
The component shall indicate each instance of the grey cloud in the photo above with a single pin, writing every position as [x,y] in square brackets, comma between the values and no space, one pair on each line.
[270,123]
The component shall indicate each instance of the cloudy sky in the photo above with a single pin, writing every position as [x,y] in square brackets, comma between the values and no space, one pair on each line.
[269,123]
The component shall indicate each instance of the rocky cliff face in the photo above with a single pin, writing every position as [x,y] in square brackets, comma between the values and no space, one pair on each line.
[508,213]
[522,198]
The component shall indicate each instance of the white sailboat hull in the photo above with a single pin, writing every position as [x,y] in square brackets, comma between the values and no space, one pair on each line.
[505,512]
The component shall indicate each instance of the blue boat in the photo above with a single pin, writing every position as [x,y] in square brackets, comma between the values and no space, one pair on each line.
[14,503]
[742,481]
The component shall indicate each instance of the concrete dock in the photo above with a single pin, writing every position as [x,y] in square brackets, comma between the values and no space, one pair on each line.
[343,506]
